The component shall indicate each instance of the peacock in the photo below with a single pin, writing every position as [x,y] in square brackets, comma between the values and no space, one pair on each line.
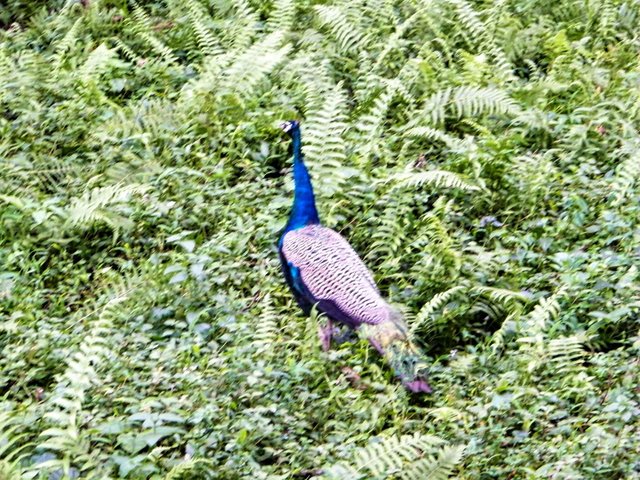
[322,269]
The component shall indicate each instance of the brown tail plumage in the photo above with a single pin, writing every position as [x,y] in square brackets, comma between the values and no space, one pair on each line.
[392,341]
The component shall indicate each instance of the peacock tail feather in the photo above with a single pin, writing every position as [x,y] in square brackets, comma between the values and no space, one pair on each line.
[392,341]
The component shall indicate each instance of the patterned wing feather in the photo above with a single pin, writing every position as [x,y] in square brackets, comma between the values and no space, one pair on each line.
[333,276]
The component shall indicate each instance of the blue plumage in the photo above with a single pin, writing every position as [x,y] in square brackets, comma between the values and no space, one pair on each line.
[304,210]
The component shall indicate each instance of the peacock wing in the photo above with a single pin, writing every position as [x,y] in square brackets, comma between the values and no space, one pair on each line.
[329,273]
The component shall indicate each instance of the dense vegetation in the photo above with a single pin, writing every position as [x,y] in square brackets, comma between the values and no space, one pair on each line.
[483,157]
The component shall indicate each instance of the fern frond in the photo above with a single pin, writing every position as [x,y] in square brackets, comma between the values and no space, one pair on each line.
[12,448]
[533,329]
[424,318]
[91,207]
[407,456]
[245,25]
[435,105]
[435,134]
[390,233]
[64,45]
[198,18]
[143,28]
[469,101]
[325,147]
[472,24]
[284,12]
[370,125]
[96,64]
[394,42]
[473,101]
[627,175]
[65,412]
[469,18]
[508,327]
[250,67]
[126,51]
[266,331]
[500,295]
[439,467]
[547,309]
[434,178]
[566,354]
[348,36]
[608,16]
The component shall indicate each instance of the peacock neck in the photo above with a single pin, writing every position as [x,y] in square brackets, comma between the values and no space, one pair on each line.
[304,204]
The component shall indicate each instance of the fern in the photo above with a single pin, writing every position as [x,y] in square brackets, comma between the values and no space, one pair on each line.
[424,319]
[474,25]
[64,45]
[142,27]
[507,328]
[236,74]
[435,134]
[266,330]
[91,207]
[566,354]
[627,175]
[283,15]
[543,312]
[501,295]
[370,125]
[245,25]
[607,15]
[348,36]
[439,467]
[408,456]
[12,449]
[199,19]
[126,51]
[435,178]
[250,67]
[469,101]
[472,101]
[469,18]
[390,234]
[325,147]
[438,256]
[394,41]
[96,64]
[533,329]
[65,413]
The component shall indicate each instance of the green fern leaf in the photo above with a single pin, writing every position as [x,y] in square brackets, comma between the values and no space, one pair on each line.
[435,178]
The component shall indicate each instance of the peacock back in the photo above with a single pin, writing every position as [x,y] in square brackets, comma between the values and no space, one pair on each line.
[324,269]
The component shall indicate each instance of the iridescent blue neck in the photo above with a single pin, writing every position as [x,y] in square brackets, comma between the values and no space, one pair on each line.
[304,210]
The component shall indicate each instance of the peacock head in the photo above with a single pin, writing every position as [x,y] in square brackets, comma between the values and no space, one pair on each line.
[290,126]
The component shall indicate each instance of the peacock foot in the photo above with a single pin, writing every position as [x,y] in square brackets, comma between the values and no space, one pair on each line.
[346,335]
[326,334]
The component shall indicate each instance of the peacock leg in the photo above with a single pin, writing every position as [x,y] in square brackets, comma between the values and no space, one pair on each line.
[376,345]
[347,334]
[326,334]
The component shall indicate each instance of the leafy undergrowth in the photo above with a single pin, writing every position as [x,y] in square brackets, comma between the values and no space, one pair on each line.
[483,157]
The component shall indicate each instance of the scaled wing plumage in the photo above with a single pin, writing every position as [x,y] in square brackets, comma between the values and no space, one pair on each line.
[324,269]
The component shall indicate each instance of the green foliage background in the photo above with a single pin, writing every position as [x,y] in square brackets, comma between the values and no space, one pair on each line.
[483,157]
